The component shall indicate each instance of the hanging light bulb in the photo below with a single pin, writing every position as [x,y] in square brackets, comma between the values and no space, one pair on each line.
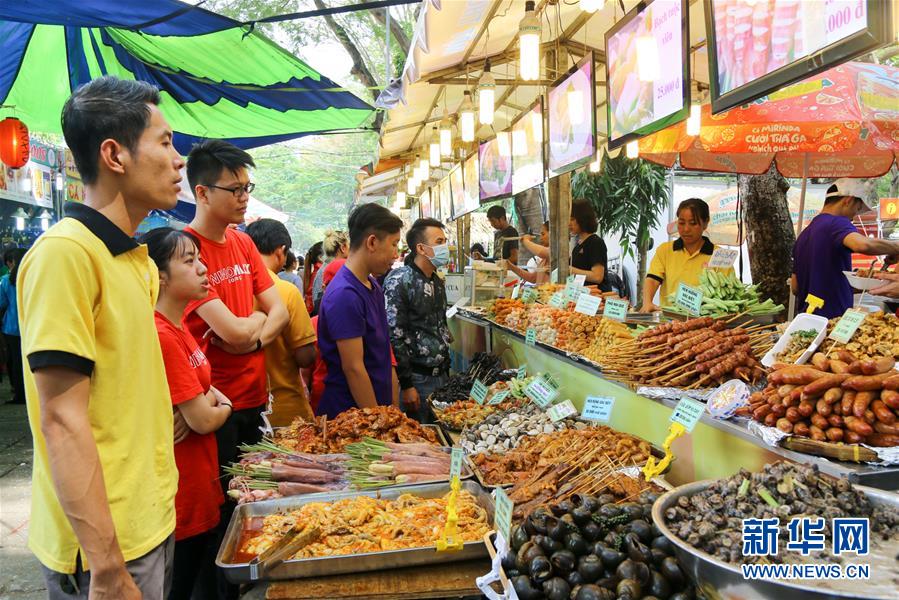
[537,123]
[486,95]
[575,106]
[647,58]
[401,197]
[60,181]
[466,118]
[529,30]
[503,144]
[424,166]
[446,135]
[45,220]
[434,147]
[633,149]
[694,121]
[591,6]
[19,216]
[410,186]
[519,142]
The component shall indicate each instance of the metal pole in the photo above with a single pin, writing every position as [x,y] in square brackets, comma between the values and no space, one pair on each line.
[801,220]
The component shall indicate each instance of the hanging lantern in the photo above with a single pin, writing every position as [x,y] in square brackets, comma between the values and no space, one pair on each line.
[401,198]
[486,95]
[647,58]
[633,149]
[434,148]
[410,186]
[694,121]
[19,217]
[14,145]
[575,106]
[519,142]
[446,135]
[424,166]
[466,118]
[529,44]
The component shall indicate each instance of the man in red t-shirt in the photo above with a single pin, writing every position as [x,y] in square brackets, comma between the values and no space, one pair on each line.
[232,332]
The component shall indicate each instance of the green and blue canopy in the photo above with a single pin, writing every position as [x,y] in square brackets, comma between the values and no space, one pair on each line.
[217,77]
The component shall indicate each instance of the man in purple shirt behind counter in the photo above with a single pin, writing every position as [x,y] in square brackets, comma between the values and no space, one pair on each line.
[353,336]
[824,249]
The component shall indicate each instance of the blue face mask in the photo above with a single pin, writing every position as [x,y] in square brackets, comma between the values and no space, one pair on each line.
[441,256]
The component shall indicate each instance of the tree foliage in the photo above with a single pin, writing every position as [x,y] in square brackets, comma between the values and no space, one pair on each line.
[629,196]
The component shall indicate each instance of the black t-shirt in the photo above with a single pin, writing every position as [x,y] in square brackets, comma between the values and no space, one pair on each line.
[508,232]
[590,252]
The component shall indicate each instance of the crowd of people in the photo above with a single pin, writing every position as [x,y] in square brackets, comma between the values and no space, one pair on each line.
[162,355]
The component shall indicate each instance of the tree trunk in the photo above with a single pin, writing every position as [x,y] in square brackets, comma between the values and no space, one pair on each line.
[769,232]
[359,70]
[396,29]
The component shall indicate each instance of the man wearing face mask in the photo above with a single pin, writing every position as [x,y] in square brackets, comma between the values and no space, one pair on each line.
[416,315]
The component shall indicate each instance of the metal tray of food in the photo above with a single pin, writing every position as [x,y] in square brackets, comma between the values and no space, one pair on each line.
[354,563]
[726,580]
[656,451]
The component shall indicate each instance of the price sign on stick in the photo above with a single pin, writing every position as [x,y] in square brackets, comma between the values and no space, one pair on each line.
[689,298]
[572,293]
[522,372]
[542,392]
[615,309]
[557,300]
[530,337]
[587,305]
[598,408]
[814,303]
[452,310]
[498,397]
[723,258]
[529,295]
[502,513]
[554,276]
[559,411]
[580,280]
[847,326]
[687,413]
[479,391]
[456,463]
[515,291]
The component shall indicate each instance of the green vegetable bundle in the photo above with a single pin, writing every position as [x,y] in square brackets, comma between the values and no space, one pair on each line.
[723,294]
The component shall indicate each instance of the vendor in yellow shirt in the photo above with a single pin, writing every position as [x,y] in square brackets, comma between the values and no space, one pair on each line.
[682,260]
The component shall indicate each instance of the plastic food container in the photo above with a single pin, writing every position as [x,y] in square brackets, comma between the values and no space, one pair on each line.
[802,322]
[862,283]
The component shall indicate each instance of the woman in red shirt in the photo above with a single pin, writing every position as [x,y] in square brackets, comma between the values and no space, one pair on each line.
[182,278]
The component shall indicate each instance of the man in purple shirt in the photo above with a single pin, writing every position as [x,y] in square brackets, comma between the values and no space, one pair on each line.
[353,336]
[824,249]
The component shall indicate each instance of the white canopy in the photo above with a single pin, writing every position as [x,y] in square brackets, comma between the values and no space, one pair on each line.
[453,38]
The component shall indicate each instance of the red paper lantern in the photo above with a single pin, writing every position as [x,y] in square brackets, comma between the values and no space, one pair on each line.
[14,146]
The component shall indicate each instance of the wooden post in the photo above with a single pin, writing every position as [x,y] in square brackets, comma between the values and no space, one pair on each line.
[558,197]
[463,234]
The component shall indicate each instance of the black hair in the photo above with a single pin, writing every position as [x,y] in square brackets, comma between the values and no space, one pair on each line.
[290,261]
[9,253]
[102,109]
[14,255]
[478,247]
[582,212]
[300,261]
[269,235]
[164,242]
[313,255]
[496,212]
[416,233]
[207,160]
[369,219]
[698,208]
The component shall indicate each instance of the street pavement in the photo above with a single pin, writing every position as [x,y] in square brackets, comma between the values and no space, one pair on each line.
[20,575]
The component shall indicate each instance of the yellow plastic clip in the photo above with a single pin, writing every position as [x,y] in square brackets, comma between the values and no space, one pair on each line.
[814,303]
[449,540]
[675,430]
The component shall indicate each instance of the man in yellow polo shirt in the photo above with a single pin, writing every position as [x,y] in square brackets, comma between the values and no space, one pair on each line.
[104,479]
[294,349]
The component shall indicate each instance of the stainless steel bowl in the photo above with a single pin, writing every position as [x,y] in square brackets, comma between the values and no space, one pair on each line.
[717,579]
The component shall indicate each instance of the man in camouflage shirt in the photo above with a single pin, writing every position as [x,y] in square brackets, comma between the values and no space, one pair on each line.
[416,315]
